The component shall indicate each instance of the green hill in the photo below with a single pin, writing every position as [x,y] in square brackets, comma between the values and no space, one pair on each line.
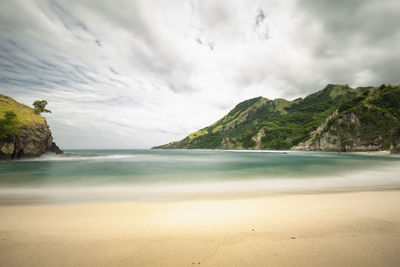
[23,133]
[26,115]
[312,123]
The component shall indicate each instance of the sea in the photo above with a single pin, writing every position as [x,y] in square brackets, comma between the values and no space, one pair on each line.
[144,175]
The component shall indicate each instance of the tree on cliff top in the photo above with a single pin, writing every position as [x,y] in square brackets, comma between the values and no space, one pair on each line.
[40,107]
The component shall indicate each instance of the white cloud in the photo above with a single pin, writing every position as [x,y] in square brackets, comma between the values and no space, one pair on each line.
[135,74]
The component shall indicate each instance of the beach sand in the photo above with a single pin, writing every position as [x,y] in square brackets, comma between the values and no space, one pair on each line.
[336,229]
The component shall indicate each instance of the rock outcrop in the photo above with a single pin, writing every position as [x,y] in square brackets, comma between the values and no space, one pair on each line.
[369,122]
[395,146]
[30,142]
[32,137]
[337,136]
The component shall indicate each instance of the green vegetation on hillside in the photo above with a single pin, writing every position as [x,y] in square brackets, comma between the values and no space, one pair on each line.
[378,111]
[26,115]
[280,124]
[14,115]
[8,125]
[303,117]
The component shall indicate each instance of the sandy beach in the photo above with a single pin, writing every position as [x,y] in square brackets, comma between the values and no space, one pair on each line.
[338,229]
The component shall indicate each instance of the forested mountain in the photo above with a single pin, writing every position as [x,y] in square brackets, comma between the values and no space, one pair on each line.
[337,118]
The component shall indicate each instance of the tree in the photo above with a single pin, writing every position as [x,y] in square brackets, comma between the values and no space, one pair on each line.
[40,106]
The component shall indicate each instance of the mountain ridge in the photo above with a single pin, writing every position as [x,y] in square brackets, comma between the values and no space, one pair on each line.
[332,119]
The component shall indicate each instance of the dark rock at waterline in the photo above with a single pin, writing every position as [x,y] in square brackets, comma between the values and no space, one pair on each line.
[54,148]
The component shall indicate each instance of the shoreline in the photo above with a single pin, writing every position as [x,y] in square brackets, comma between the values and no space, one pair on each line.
[200,190]
[367,152]
[357,229]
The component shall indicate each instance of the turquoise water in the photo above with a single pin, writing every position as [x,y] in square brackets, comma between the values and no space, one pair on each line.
[158,175]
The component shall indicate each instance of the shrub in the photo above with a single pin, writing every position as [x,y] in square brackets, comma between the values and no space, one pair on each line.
[40,106]
[8,125]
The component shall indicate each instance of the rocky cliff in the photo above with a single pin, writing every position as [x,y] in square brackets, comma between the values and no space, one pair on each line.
[368,122]
[337,118]
[31,137]
[343,135]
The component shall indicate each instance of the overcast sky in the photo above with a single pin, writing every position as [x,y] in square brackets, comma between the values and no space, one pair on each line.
[134,74]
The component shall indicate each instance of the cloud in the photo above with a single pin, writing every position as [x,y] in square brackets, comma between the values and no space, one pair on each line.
[355,37]
[133,74]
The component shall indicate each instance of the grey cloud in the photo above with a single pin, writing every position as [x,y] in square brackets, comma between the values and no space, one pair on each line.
[66,17]
[355,36]
[353,24]
[371,19]
[152,51]
[260,17]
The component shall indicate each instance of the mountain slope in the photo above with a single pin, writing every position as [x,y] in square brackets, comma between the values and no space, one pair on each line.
[312,123]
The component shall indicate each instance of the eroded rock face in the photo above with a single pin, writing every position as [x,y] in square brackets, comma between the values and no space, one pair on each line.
[395,147]
[344,135]
[229,143]
[7,148]
[257,138]
[30,142]
[340,137]
[314,143]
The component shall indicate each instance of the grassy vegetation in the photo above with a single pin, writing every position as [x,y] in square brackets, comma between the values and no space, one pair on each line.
[26,115]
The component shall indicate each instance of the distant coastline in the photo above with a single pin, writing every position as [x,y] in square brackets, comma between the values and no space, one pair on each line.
[285,151]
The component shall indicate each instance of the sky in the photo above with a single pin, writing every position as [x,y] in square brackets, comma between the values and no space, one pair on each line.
[135,74]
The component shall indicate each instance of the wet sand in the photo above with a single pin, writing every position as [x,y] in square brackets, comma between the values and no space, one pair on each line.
[337,229]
